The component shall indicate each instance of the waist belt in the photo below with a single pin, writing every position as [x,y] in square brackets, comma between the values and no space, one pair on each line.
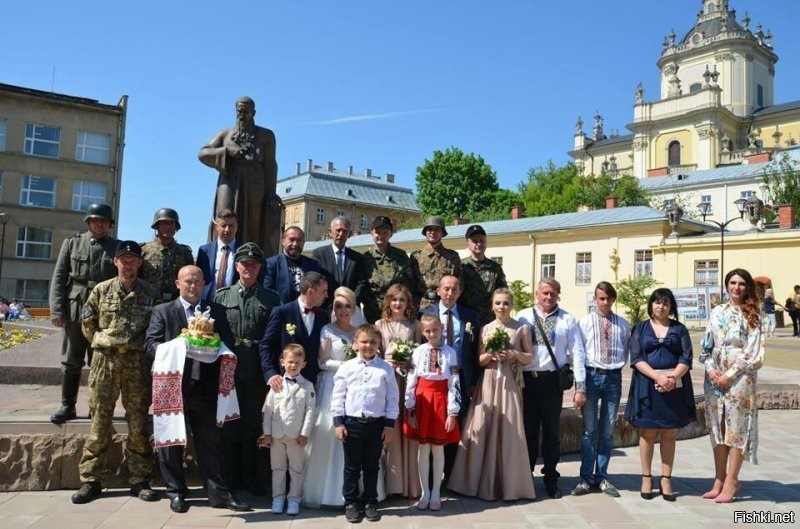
[246,342]
[537,374]
[121,349]
[366,420]
[601,371]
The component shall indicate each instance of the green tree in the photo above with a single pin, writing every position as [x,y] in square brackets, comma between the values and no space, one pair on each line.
[783,184]
[499,209]
[453,184]
[521,293]
[595,190]
[632,293]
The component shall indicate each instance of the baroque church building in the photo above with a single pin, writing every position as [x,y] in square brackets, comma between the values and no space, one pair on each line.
[716,107]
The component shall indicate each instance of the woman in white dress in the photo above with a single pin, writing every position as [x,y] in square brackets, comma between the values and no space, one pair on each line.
[325,458]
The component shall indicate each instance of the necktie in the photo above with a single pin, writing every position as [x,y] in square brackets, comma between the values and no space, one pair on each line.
[195,363]
[340,264]
[449,327]
[223,267]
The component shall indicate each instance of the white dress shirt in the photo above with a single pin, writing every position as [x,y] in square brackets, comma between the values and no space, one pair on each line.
[231,265]
[439,370]
[565,339]
[365,389]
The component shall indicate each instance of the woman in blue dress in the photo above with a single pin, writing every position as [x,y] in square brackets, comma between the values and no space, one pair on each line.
[661,399]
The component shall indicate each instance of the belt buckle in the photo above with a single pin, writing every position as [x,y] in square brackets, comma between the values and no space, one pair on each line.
[535,374]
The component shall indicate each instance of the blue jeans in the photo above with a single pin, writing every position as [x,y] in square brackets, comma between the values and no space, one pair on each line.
[598,435]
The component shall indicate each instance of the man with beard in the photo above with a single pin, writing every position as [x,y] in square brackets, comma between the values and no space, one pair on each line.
[283,271]
[245,158]
[164,256]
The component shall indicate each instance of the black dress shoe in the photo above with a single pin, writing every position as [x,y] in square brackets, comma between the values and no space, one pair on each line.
[232,504]
[554,492]
[178,504]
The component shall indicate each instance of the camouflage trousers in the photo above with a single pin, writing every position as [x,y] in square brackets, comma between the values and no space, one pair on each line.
[113,374]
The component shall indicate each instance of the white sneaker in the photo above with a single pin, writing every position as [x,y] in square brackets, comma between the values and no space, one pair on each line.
[293,508]
[277,506]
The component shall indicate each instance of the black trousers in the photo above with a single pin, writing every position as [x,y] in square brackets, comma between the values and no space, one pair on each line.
[541,409]
[362,453]
[246,463]
[200,411]
[793,314]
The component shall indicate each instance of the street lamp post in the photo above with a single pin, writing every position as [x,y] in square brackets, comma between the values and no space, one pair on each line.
[4,218]
[752,206]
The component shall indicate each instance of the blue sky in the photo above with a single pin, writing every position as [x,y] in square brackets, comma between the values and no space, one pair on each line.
[373,84]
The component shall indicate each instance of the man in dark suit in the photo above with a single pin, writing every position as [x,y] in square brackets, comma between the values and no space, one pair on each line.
[462,333]
[282,272]
[199,388]
[212,256]
[298,322]
[339,264]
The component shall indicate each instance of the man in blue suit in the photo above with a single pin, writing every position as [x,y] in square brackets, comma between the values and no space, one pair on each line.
[211,256]
[462,333]
[298,322]
[283,272]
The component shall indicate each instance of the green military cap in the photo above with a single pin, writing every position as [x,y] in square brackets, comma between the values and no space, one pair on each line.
[435,220]
[248,251]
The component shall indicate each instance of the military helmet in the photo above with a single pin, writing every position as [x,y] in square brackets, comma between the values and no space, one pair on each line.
[166,214]
[99,211]
[437,221]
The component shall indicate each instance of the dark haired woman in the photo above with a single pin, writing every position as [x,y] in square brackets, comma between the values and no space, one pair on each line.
[661,399]
[733,351]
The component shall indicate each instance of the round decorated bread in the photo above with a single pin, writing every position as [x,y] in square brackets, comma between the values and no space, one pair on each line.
[200,332]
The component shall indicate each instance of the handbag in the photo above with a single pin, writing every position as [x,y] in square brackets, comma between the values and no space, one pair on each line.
[566,378]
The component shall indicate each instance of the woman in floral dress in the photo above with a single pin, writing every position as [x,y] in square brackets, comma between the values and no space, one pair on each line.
[398,323]
[733,351]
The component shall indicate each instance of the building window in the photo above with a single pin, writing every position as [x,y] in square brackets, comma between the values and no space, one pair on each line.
[340,213]
[38,192]
[643,263]
[548,265]
[34,243]
[706,273]
[747,194]
[33,291]
[41,140]
[674,153]
[695,87]
[364,224]
[583,268]
[320,216]
[760,96]
[85,193]
[706,199]
[92,147]
[3,127]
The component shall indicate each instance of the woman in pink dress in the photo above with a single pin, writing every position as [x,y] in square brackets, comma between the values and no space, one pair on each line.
[398,323]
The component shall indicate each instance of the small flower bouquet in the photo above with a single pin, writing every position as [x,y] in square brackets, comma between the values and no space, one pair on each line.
[497,342]
[349,352]
[291,328]
[402,350]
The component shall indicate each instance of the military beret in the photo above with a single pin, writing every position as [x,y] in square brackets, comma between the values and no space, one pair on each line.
[131,247]
[248,251]
[382,222]
[475,228]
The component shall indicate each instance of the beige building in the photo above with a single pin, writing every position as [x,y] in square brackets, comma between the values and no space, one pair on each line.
[58,153]
[715,107]
[315,196]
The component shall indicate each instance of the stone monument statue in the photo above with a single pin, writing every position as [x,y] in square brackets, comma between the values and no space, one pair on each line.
[244,155]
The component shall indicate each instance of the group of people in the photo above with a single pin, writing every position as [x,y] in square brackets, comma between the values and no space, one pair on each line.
[443,386]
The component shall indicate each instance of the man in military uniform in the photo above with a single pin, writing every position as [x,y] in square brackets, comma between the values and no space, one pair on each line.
[164,256]
[432,262]
[247,306]
[115,319]
[480,276]
[84,261]
[380,267]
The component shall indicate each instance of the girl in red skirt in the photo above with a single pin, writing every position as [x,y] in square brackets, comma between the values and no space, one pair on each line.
[433,400]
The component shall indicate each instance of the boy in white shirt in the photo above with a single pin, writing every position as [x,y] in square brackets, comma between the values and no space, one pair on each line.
[288,420]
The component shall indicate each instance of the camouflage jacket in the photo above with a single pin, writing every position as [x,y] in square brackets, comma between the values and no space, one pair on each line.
[160,265]
[479,280]
[82,263]
[378,271]
[428,265]
[112,317]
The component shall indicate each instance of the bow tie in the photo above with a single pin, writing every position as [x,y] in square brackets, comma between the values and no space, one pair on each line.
[306,310]
[289,379]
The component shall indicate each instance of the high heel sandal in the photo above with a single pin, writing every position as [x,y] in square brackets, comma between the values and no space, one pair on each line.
[712,494]
[667,497]
[647,495]
[727,499]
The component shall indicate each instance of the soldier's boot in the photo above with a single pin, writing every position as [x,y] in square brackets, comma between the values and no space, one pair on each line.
[89,491]
[69,395]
